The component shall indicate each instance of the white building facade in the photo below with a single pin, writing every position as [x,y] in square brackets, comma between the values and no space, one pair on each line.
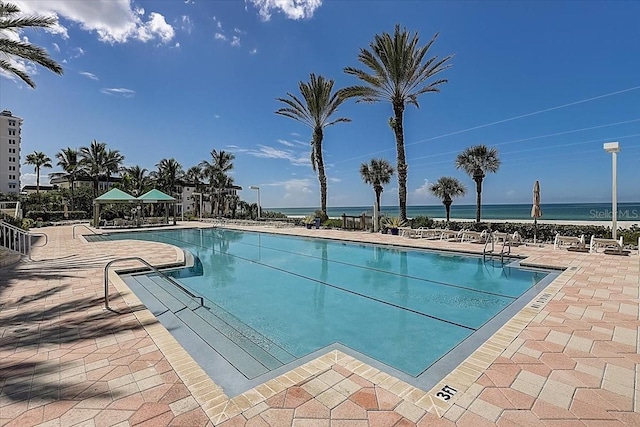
[10,141]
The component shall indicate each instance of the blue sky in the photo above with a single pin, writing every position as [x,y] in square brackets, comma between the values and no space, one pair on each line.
[547,83]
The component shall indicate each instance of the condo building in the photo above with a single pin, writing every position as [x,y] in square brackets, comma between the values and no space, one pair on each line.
[10,139]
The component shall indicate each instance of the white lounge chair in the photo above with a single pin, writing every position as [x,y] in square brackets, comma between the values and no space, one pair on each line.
[429,233]
[571,241]
[613,244]
[512,239]
[451,235]
[475,236]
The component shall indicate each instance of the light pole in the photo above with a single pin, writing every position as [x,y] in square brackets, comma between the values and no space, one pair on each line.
[253,187]
[199,194]
[614,149]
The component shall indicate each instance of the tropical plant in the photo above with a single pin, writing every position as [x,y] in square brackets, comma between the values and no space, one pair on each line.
[309,219]
[216,172]
[394,222]
[98,162]
[447,188]
[70,164]
[398,73]
[13,47]
[39,160]
[315,109]
[477,161]
[193,175]
[377,172]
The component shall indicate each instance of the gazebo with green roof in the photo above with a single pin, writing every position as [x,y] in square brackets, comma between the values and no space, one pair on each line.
[114,195]
[157,196]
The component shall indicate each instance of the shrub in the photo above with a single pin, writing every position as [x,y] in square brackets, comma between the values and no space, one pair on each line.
[56,215]
[332,223]
[27,223]
[319,214]
[421,221]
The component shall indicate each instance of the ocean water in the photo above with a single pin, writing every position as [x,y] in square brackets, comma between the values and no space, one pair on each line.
[556,211]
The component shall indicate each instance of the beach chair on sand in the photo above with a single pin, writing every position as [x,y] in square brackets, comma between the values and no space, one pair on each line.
[475,236]
[612,246]
[570,241]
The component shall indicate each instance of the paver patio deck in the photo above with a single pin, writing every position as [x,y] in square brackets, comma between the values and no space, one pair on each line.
[570,357]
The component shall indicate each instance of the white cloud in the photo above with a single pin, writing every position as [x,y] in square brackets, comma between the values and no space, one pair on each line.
[216,116]
[120,91]
[56,47]
[287,143]
[177,45]
[187,25]
[219,36]
[420,194]
[335,180]
[89,75]
[292,9]
[114,21]
[293,187]
[235,41]
[253,51]
[266,152]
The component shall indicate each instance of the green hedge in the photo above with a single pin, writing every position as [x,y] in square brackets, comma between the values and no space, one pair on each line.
[56,215]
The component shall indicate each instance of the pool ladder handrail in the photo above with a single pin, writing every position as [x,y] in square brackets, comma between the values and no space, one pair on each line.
[506,243]
[73,229]
[152,268]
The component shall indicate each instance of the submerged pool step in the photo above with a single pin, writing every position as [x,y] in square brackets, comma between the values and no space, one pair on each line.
[157,301]
[263,350]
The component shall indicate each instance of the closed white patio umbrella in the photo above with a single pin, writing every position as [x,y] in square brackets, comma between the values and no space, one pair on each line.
[536,212]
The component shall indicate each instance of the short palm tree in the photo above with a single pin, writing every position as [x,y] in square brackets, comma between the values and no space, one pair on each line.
[316,108]
[398,73]
[377,172]
[39,160]
[138,179]
[12,21]
[447,188]
[477,161]
[70,164]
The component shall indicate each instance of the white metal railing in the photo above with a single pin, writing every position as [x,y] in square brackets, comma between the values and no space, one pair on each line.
[17,213]
[15,239]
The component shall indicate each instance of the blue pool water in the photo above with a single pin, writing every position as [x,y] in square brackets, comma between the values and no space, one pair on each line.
[403,308]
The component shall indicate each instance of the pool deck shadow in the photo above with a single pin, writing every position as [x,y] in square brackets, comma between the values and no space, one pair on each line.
[569,357]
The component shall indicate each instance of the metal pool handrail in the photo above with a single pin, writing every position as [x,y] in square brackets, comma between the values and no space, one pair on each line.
[46,239]
[73,229]
[155,270]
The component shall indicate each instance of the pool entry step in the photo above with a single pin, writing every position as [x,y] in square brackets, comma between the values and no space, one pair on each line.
[246,349]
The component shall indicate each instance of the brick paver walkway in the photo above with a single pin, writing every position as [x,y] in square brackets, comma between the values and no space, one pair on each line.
[570,358]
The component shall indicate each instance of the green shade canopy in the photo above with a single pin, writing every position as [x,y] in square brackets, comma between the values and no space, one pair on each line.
[155,196]
[116,195]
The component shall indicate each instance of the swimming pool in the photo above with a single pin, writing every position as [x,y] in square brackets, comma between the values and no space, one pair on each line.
[291,296]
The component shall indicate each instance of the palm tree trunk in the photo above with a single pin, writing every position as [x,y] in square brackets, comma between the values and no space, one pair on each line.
[317,141]
[378,194]
[38,181]
[478,198]
[398,129]
[447,207]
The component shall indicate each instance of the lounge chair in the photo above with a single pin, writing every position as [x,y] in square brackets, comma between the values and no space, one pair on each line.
[429,233]
[512,239]
[475,236]
[451,235]
[571,241]
[612,246]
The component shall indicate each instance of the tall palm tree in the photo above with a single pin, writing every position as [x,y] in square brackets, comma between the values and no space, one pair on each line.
[70,164]
[217,172]
[98,162]
[477,161]
[11,21]
[398,73]
[447,188]
[169,172]
[377,172]
[194,175]
[39,160]
[315,110]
